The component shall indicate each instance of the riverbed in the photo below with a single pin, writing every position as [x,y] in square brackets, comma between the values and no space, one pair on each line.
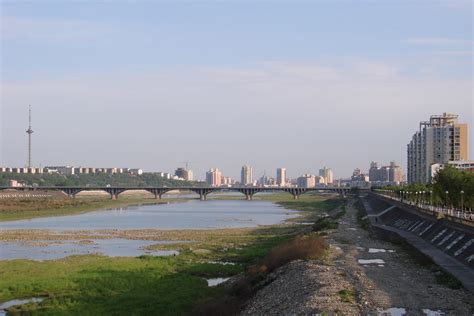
[190,215]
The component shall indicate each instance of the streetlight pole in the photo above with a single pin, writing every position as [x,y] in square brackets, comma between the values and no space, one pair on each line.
[431,198]
[446,203]
[462,201]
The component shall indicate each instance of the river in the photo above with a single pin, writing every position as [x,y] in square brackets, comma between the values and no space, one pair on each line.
[192,214]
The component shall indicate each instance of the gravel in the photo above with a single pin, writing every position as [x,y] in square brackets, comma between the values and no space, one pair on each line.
[314,287]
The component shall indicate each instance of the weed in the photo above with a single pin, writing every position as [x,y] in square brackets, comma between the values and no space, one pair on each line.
[346,296]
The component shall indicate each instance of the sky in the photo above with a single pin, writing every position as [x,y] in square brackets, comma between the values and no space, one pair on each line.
[295,84]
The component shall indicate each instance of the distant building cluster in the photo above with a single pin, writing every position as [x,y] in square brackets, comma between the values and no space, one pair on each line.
[214,178]
[325,177]
[68,170]
[385,175]
[439,141]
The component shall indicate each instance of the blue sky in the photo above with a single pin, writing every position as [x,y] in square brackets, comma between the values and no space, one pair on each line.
[194,65]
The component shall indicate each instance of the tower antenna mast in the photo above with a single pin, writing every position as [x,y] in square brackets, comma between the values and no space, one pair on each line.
[29,132]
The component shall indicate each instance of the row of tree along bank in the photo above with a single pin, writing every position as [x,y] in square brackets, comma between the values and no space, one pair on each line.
[450,187]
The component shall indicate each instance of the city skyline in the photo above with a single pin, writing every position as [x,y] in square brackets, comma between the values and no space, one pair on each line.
[175,93]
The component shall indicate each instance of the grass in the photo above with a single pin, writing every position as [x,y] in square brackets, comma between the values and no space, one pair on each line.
[164,285]
[347,296]
[102,285]
[364,223]
[329,222]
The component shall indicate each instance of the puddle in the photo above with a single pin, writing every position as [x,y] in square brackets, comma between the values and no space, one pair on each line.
[393,311]
[371,261]
[50,250]
[351,228]
[305,223]
[11,303]
[429,312]
[224,263]
[376,250]
[360,248]
[216,281]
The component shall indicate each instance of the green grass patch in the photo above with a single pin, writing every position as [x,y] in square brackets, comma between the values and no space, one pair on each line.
[346,296]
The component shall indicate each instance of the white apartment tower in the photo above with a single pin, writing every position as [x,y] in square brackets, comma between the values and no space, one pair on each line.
[281,177]
[246,175]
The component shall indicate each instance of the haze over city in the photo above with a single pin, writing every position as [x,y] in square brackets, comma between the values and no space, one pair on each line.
[300,86]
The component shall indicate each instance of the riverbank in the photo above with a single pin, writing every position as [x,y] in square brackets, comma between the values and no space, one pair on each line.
[19,209]
[146,284]
[361,275]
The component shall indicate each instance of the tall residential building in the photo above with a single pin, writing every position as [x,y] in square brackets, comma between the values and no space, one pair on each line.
[327,175]
[281,177]
[246,175]
[306,181]
[439,140]
[214,177]
[395,173]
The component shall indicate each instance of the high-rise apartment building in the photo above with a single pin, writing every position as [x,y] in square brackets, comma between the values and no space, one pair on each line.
[395,173]
[281,177]
[327,175]
[214,177]
[246,175]
[306,181]
[439,140]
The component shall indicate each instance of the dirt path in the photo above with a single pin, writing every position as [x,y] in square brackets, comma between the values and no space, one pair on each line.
[346,286]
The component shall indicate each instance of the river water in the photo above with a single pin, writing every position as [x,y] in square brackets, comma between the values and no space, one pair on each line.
[193,214]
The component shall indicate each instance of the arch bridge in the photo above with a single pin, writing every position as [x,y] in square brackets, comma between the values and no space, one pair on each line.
[203,192]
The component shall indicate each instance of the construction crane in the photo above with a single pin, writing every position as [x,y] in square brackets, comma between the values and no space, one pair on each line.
[187,163]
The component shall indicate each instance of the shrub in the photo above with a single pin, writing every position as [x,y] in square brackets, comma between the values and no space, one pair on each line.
[302,247]
[324,223]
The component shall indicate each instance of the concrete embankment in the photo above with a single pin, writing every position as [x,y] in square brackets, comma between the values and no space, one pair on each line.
[448,243]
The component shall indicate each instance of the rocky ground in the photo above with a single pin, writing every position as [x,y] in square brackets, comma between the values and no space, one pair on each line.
[390,281]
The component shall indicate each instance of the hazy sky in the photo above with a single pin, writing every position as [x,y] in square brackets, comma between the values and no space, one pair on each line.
[301,85]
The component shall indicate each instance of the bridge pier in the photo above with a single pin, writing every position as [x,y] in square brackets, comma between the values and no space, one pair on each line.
[203,192]
[114,192]
[296,192]
[248,192]
[158,192]
[71,192]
